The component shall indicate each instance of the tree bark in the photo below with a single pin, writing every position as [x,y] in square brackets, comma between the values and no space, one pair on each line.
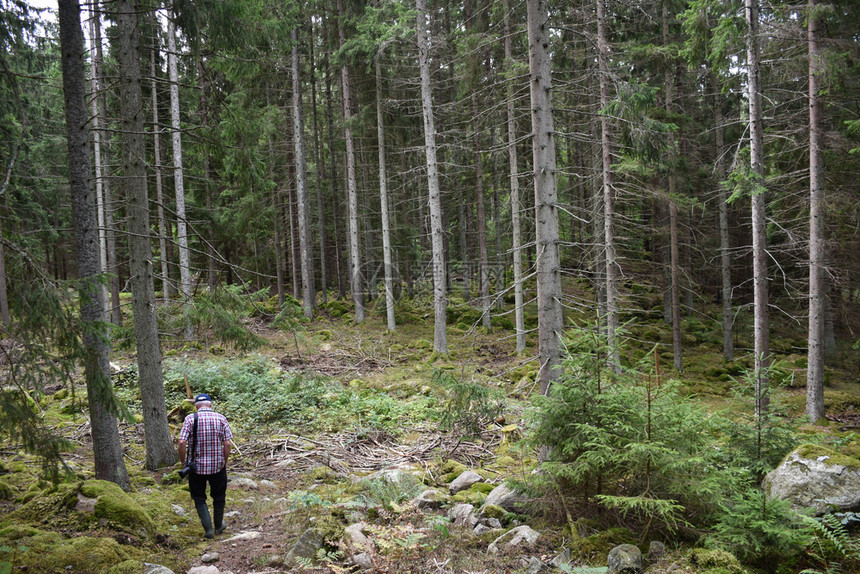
[611,291]
[437,230]
[383,199]
[480,214]
[107,449]
[759,237]
[548,267]
[159,190]
[178,173]
[97,157]
[815,371]
[307,259]
[725,245]
[356,280]
[320,170]
[104,175]
[159,445]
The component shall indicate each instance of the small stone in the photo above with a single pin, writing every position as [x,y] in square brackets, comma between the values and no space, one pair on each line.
[482,528]
[514,538]
[656,550]
[354,537]
[464,481]
[363,561]
[156,569]
[563,558]
[244,483]
[204,570]
[247,535]
[210,557]
[493,522]
[178,510]
[430,499]
[625,559]
[534,565]
[268,484]
[463,515]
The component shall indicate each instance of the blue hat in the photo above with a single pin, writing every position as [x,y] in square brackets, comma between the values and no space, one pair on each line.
[202,397]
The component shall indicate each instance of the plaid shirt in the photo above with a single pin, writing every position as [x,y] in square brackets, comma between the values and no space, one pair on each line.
[212,431]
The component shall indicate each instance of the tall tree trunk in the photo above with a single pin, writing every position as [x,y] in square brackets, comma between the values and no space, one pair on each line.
[548,267]
[340,267]
[725,245]
[383,199]
[480,214]
[611,319]
[674,248]
[97,158]
[178,173]
[107,449]
[759,237]
[320,171]
[159,445]
[437,230]
[516,247]
[104,175]
[356,280]
[159,190]
[211,268]
[278,220]
[309,302]
[815,372]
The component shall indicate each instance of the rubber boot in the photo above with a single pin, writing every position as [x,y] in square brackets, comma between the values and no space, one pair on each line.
[219,517]
[205,519]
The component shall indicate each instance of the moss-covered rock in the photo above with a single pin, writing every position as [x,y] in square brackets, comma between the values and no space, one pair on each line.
[476,499]
[493,511]
[449,470]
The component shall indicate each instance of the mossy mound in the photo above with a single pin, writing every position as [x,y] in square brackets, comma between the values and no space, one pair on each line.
[50,552]
[128,567]
[595,548]
[449,470]
[716,560]
[59,507]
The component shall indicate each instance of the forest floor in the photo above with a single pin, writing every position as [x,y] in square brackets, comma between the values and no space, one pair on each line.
[350,400]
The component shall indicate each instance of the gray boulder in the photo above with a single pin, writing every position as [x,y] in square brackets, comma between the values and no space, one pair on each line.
[816,477]
[463,515]
[464,481]
[514,538]
[507,498]
[306,546]
[204,570]
[625,559]
[354,537]
[156,569]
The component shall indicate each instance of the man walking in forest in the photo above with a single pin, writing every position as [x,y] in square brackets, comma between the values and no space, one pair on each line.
[209,435]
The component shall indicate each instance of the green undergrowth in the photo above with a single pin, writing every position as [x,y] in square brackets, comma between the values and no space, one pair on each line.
[254,392]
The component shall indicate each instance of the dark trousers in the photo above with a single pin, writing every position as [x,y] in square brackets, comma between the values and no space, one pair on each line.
[217,486]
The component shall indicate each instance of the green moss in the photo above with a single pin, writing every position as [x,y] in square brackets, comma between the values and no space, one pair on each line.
[716,559]
[596,548]
[817,451]
[7,491]
[16,532]
[482,487]
[123,513]
[493,511]
[470,497]
[128,567]
[449,470]
[322,474]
